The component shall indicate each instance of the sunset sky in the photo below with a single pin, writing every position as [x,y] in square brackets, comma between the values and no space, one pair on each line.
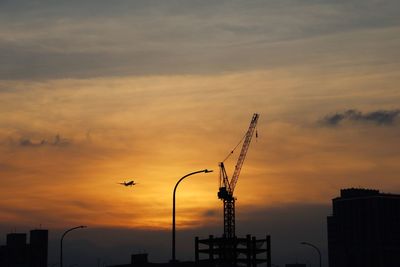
[93,93]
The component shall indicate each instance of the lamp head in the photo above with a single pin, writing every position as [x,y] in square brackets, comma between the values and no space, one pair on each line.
[207,171]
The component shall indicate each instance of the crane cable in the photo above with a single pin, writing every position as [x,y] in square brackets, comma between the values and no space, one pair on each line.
[241,140]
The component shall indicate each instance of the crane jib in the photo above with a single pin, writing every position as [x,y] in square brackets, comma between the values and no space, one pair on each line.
[243,152]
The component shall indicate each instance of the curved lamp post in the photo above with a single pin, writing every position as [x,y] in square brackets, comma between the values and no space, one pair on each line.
[173,211]
[61,242]
[317,249]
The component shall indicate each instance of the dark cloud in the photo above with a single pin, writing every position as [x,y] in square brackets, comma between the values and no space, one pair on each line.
[7,167]
[57,141]
[378,117]
[210,213]
[80,39]
[28,142]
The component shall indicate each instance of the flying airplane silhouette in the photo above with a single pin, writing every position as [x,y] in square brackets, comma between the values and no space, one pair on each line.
[130,183]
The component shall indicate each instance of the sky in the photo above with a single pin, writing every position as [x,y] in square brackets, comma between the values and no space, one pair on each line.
[93,93]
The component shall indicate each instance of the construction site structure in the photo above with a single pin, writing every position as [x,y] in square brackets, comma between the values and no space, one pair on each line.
[248,251]
[230,250]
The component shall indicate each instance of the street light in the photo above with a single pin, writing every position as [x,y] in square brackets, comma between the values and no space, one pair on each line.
[173,211]
[317,249]
[62,238]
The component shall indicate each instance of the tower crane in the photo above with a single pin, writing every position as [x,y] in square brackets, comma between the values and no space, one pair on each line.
[227,187]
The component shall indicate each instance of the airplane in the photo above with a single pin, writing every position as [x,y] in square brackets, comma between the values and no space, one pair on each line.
[130,183]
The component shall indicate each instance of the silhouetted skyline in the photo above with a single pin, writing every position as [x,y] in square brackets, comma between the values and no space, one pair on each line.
[361,232]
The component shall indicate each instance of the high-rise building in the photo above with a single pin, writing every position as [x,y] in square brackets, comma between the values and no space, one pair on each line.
[16,250]
[3,255]
[38,248]
[18,253]
[364,229]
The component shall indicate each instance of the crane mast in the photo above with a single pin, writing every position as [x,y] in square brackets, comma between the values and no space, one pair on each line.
[228,186]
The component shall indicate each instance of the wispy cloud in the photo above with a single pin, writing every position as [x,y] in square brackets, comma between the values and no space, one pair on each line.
[378,117]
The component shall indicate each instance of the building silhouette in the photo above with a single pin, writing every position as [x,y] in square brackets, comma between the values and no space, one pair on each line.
[16,250]
[38,248]
[141,260]
[232,252]
[18,253]
[364,229]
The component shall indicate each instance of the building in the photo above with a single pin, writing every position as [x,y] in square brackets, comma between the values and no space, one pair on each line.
[38,248]
[18,253]
[16,250]
[3,253]
[363,230]
[227,252]
[141,260]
